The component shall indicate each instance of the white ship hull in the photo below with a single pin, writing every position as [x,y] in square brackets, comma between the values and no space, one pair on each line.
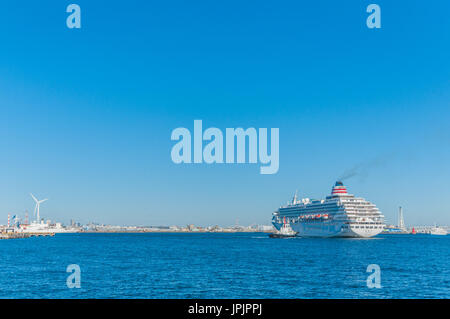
[330,230]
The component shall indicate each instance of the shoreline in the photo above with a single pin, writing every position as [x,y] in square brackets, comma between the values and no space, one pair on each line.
[165,231]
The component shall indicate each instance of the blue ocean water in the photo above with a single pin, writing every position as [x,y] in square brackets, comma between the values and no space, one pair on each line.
[224,265]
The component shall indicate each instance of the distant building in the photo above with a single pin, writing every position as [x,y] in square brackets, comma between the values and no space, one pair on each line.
[265,228]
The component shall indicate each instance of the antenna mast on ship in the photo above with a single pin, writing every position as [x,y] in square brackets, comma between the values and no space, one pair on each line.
[294,200]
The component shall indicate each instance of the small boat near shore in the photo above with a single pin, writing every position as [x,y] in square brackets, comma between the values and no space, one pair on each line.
[284,232]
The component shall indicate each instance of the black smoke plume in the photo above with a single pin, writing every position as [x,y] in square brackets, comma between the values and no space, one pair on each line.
[363,169]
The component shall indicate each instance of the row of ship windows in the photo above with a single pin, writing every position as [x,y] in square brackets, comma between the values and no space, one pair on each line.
[332,207]
[353,215]
[367,227]
[371,227]
[314,205]
[346,208]
[309,209]
[367,223]
[360,209]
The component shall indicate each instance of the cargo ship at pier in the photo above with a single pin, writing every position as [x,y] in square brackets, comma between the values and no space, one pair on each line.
[339,215]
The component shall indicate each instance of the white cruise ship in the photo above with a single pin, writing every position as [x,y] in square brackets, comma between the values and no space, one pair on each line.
[338,215]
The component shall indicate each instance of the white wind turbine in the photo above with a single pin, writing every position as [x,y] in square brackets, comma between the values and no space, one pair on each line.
[36,208]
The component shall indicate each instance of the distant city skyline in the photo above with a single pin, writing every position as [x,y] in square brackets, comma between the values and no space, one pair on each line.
[86,114]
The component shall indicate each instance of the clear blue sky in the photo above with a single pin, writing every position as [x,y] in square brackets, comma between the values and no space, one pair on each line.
[86,115]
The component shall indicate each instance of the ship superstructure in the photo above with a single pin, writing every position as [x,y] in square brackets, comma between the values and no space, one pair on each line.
[338,215]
